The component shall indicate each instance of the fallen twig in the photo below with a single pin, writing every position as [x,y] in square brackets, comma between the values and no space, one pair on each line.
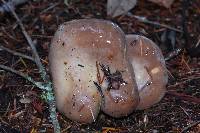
[40,85]
[145,20]
[190,126]
[48,94]
[198,42]
[184,97]
[185,81]
[173,54]
[12,4]
[19,73]
[34,51]
[49,8]
[16,53]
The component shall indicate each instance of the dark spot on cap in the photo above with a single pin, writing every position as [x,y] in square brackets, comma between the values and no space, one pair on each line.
[80,65]
[73,104]
[133,43]
[110,57]
[63,44]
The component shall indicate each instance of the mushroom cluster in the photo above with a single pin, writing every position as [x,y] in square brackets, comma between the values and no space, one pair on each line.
[95,66]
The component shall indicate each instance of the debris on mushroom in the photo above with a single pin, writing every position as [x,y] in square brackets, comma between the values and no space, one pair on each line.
[89,68]
[149,67]
[120,93]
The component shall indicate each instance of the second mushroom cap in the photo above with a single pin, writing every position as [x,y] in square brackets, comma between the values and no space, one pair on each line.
[149,67]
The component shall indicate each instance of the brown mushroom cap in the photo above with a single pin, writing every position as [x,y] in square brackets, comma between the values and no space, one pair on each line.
[149,67]
[76,52]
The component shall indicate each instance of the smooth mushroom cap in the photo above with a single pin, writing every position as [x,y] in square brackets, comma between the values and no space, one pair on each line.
[150,70]
[76,52]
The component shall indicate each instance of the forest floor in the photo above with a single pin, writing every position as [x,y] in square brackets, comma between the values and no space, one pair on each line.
[23,111]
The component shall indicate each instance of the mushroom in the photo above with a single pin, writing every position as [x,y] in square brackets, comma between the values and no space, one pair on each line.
[149,66]
[94,67]
[89,69]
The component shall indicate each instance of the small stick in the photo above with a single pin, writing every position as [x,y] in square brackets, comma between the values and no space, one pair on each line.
[190,126]
[145,20]
[22,75]
[99,89]
[98,73]
[173,54]
[185,81]
[49,8]
[49,95]
[16,53]
[12,4]
[198,42]
[184,97]
[183,61]
[31,44]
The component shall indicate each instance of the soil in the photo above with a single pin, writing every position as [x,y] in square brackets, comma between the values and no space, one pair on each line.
[22,109]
